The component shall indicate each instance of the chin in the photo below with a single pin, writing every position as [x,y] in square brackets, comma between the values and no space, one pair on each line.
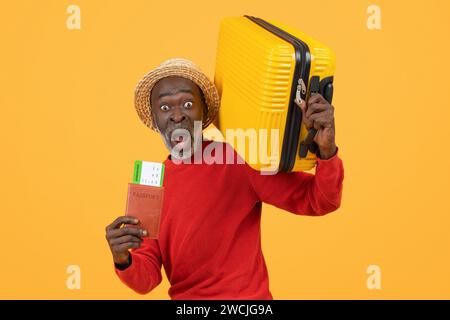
[185,154]
[170,145]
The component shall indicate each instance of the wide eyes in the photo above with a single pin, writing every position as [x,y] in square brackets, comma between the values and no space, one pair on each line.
[186,105]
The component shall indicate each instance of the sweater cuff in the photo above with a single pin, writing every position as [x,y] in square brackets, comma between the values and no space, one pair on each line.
[125,273]
[331,159]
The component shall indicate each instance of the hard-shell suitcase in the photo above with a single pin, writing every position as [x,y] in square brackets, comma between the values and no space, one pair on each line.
[261,68]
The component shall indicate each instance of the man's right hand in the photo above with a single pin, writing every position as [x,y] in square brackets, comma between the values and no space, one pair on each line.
[121,239]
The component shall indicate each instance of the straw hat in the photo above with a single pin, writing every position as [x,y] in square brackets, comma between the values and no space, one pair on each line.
[175,67]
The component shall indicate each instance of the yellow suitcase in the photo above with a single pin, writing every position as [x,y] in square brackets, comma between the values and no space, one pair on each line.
[261,68]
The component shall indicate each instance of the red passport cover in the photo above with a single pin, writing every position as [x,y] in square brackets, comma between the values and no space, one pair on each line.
[145,203]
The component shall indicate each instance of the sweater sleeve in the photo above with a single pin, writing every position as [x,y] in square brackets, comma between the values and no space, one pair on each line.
[301,192]
[144,273]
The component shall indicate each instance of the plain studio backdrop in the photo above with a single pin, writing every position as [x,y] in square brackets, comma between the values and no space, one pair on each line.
[69,136]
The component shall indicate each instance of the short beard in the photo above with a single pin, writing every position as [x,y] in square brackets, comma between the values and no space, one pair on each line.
[191,142]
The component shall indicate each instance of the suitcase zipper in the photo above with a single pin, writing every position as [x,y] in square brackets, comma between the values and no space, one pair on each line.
[294,115]
[301,89]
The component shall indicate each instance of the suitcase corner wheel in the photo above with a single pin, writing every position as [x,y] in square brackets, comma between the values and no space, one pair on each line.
[262,67]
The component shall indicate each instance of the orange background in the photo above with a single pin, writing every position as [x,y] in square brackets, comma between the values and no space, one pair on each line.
[69,136]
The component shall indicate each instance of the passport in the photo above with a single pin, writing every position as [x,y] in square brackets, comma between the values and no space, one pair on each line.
[145,203]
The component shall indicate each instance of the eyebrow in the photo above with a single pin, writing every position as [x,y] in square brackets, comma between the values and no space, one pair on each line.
[164,94]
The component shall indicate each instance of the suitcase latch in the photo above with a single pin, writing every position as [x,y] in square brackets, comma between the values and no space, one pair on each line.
[301,90]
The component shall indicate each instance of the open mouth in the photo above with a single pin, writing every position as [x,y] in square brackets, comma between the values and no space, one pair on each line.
[179,137]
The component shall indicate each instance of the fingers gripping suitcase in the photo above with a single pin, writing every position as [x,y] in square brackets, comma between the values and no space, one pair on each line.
[261,68]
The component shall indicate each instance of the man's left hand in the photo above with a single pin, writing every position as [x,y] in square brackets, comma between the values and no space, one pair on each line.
[319,113]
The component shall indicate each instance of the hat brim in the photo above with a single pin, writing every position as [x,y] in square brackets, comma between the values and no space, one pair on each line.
[175,67]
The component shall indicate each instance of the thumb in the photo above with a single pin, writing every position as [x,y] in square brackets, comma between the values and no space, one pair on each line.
[302,106]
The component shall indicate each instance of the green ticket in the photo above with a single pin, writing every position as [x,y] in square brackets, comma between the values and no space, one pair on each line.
[148,173]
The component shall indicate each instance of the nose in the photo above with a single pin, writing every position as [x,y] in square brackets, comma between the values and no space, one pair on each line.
[177,116]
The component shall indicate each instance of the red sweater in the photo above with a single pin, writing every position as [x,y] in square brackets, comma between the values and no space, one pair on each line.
[210,237]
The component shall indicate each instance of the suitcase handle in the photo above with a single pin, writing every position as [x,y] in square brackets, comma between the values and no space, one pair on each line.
[308,143]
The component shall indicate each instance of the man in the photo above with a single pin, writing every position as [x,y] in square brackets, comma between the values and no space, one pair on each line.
[209,241]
